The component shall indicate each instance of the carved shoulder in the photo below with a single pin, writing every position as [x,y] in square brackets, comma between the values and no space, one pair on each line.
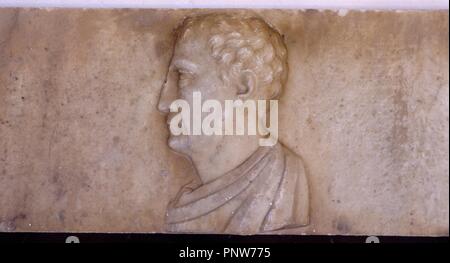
[295,169]
[291,205]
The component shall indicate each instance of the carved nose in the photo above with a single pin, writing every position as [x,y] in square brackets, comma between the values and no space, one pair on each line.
[168,92]
[164,101]
[162,108]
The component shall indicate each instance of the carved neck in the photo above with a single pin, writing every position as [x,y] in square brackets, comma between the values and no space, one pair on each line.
[231,153]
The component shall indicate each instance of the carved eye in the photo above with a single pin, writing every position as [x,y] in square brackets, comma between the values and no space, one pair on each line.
[184,78]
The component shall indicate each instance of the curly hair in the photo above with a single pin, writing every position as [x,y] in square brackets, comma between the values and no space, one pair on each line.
[242,44]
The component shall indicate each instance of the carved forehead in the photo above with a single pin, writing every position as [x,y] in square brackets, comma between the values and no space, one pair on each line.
[192,49]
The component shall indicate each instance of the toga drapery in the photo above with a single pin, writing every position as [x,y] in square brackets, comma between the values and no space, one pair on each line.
[267,192]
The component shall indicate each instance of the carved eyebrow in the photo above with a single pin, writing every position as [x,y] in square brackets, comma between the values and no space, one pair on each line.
[184,64]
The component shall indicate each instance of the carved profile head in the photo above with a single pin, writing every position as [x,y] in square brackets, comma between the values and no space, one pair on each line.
[225,57]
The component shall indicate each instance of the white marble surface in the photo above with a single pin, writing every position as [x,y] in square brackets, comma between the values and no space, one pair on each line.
[303,4]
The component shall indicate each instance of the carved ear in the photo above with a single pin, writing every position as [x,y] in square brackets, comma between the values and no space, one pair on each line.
[247,84]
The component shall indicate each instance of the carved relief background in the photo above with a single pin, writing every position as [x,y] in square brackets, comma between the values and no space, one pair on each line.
[84,148]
